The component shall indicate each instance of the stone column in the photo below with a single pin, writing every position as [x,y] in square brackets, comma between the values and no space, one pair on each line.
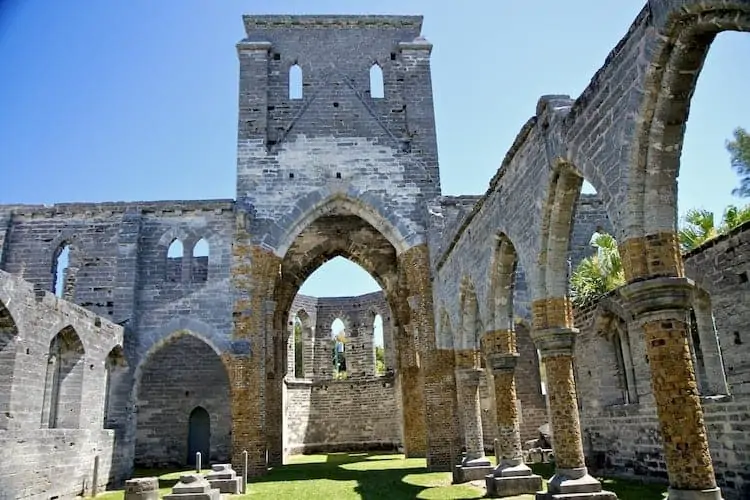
[411,382]
[660,305]
[511,476]
[554,337]
[437,378]
[254,271]
[475,465]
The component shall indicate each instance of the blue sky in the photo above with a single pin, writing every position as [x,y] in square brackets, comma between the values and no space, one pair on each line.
[108,101]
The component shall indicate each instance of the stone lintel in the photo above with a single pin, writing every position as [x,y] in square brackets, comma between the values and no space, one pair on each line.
[658,294]
[502,362]
[417,44]
[249,45]
[554,341]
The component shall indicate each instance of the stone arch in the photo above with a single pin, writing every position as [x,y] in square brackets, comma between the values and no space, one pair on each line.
[180,372]
[302,347]
[115,379]
[362,205]
[471,329]
[557,225]
[681,49]
[63,384]
[502,284]
[8,348]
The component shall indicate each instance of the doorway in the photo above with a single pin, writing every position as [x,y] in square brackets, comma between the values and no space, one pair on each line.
[199,435]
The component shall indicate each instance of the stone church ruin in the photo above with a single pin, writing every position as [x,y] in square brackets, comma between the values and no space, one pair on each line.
[139,333]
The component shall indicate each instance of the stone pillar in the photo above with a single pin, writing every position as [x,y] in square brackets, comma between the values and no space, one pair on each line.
[254,272]
[436,369]
[554,337]
[511,476]
[413,411]
[475,465]
[660,305]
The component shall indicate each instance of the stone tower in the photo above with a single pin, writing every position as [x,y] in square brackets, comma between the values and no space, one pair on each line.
[337,138]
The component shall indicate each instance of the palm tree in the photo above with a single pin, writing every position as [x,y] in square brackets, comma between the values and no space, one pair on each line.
[598,274]
[734,217]
[699,226]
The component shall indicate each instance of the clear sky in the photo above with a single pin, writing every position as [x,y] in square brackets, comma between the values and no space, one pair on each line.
[137,100]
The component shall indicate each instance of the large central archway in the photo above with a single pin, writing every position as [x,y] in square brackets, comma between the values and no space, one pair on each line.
[338,232]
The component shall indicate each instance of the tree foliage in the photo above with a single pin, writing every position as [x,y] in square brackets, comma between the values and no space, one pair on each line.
[379,360]
[699,226]
[598,274]
[739,149]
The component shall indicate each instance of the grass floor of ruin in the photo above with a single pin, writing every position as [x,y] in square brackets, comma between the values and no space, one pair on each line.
[375,476]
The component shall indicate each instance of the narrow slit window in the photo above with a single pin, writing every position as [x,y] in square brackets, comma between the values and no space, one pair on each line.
[377,90]
[295,82]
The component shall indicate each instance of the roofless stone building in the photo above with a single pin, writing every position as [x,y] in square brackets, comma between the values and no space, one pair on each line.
[138,333]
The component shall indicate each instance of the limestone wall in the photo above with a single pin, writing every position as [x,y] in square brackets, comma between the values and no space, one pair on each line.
[341,415]
[54,360]
[618,414]
[179,377]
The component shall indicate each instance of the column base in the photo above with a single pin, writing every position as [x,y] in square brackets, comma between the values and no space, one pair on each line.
[472,470]
[709,494]
[500,486]
[574,484]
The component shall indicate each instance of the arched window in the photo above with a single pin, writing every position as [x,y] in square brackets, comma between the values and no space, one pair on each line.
[295,82]
[299,358]
[378,345]
[377,89]
[63,384]
[338,335]
[174,261]
[60,266]
[114,368]
[8,346]
[200,261]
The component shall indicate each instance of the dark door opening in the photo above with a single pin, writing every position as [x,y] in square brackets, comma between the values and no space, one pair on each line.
[199,436]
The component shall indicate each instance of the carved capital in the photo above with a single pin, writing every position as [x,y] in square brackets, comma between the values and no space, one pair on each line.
[554,341]
[502,362]
[658,294]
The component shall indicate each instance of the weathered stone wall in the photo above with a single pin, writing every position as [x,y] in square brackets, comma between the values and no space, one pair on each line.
[336,415]
[624,438]
[184,373]
[52,459]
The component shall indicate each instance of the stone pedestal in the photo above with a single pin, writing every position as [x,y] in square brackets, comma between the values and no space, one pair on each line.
[142,488]
[473,470]
[511,480]
[223,478]
[574,484]
[709,494]
[193,487]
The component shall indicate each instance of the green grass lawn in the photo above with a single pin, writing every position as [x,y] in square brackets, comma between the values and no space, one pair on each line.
[373,476]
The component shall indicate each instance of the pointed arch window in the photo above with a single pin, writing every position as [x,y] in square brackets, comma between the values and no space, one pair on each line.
[174,261]
[295,82]
[200,261]
[60,270]
[377,88]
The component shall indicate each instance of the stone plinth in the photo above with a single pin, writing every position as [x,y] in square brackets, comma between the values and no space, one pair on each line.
[574,484]
[223,478]
[193,487]
[472,470]
[511,480]
[142,488]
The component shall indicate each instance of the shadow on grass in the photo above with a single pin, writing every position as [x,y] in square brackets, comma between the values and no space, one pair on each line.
[374,476]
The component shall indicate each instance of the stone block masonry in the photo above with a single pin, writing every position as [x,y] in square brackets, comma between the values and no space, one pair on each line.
[61,453]
[338,170]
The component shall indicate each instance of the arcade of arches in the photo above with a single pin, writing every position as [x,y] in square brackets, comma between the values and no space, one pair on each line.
[149,331]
